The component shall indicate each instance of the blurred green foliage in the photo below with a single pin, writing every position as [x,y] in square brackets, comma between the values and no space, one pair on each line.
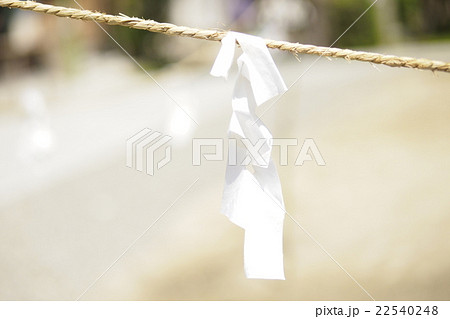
[342,13]
[141,43]
[410,15]
[412,20]
[425,19]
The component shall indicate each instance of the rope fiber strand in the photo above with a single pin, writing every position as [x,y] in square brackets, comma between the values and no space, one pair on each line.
[217,35]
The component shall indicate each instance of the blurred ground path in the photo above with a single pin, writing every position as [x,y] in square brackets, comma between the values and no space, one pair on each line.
[69,205]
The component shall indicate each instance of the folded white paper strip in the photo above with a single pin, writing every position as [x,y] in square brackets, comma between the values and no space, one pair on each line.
[253,201]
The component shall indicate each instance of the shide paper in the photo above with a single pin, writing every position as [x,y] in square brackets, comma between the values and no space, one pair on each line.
[253,200]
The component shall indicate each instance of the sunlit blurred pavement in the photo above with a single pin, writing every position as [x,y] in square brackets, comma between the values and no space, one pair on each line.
[70,206]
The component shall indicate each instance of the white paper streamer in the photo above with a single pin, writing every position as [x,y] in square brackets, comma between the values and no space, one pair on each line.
[253,201]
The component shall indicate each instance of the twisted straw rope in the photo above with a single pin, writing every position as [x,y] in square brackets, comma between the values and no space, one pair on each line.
[216,35]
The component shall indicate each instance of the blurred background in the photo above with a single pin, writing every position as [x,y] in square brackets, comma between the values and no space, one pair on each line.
[69,206]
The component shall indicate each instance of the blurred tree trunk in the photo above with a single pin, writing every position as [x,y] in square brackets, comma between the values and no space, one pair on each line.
[436,15]
[387,21]
[320,32]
